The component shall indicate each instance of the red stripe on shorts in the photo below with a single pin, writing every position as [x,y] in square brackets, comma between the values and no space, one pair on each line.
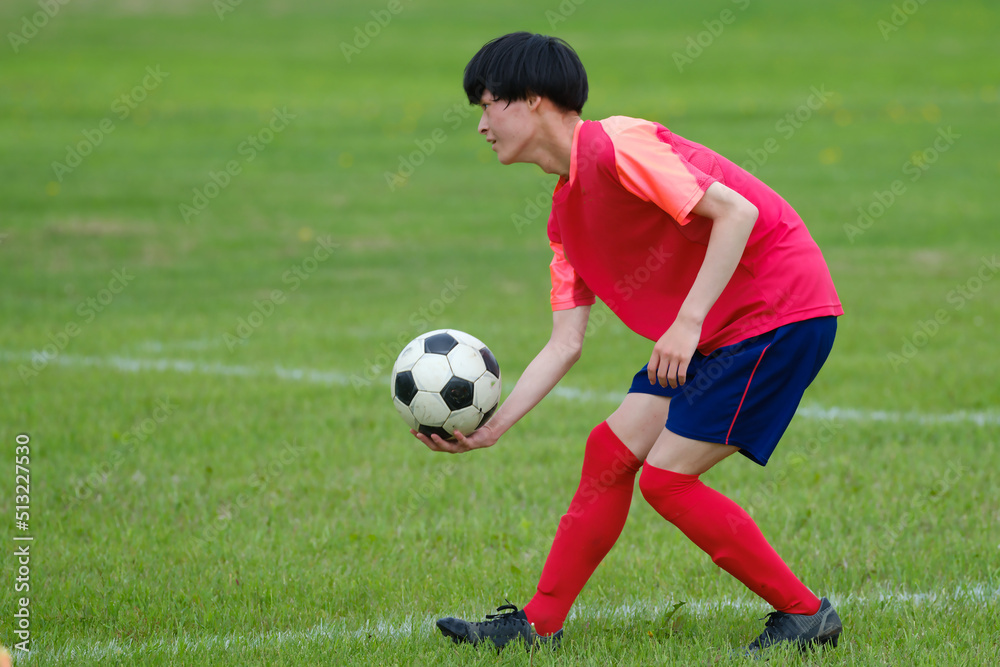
[743,398]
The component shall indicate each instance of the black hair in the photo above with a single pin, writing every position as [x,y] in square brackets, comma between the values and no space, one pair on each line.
[520,64]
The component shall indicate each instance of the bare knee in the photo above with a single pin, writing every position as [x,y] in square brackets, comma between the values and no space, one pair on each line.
[638,422]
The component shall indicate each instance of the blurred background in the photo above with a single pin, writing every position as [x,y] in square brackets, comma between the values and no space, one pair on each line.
[220,221]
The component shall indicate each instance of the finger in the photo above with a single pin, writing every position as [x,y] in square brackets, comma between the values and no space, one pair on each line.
[450,446]
[651,368]
[682,372]
[663,373]
[467,443]
[672,375]
[457,444]
[463,442]
[433,442]
[424,439]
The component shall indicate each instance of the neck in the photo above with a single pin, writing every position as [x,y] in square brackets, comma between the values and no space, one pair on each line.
[555,145]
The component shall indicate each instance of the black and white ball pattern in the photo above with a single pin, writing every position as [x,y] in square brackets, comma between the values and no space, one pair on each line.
[445,380]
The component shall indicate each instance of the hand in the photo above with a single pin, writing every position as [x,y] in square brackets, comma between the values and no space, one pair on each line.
[481,437]
[673,352]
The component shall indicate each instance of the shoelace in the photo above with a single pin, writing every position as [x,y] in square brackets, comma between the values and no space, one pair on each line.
[774,618]
[507,613]
[773,621]
[770,630]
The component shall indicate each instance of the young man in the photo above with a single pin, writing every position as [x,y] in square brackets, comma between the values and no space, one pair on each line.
[695,254]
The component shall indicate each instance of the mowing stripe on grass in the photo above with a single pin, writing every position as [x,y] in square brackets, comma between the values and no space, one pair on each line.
[94,652]
[337,378]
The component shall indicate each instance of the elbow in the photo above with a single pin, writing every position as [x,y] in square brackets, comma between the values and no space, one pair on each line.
[569,327]
[749,213]
[570,348]
[574,352]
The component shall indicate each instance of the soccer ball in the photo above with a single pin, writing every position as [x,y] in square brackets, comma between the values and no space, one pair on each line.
[445,380]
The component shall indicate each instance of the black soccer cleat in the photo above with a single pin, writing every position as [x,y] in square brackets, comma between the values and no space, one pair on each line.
[498,630]
[802,630]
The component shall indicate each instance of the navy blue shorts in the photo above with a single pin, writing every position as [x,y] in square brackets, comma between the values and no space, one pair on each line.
[746,394]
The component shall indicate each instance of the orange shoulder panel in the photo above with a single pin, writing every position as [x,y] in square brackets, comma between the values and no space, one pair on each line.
[650,168]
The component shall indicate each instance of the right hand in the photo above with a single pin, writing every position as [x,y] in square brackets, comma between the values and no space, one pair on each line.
[483,436]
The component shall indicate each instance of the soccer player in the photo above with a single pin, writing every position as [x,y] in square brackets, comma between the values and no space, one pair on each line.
[697,255]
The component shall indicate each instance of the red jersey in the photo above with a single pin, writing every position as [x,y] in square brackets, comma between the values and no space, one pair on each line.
[621,228]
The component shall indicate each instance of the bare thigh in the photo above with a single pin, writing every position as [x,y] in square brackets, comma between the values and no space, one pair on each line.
[638,422]
[686,456]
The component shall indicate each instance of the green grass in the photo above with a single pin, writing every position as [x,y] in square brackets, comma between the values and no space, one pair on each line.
[264,519]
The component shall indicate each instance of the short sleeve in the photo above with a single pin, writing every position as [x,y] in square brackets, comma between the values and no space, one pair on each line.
[568,288]
[650,168]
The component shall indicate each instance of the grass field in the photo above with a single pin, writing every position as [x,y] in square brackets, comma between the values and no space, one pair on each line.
[220,221]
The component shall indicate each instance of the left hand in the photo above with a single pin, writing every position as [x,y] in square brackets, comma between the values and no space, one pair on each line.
[673,352]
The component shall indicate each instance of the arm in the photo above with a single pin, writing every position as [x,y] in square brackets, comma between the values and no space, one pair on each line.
[542,374]
[733,218]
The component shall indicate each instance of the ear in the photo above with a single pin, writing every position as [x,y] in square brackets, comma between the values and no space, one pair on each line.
[533,101]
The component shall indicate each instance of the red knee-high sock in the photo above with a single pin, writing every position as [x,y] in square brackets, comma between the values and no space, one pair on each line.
[726,532]
[588,530]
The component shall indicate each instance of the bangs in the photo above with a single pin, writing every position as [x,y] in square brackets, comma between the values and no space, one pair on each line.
[522,63]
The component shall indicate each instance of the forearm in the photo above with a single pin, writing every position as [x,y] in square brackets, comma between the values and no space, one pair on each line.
[543,373]
[733,218]
[545,370]
[548,367]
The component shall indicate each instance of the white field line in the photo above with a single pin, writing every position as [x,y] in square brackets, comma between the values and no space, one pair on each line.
[337,378]
[95,652]
[134,365]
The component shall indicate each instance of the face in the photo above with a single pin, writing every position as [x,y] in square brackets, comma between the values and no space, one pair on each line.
[508,127]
